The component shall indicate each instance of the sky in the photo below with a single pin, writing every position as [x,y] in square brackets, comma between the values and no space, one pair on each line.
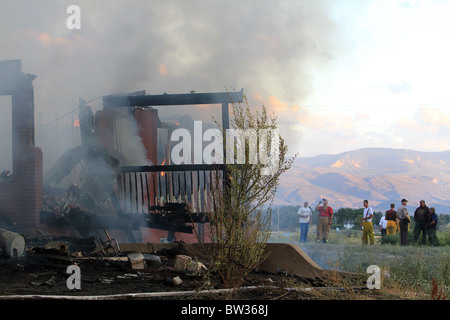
[339,74]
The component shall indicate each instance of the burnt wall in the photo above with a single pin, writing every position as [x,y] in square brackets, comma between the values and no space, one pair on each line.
[104,126]
[147,123]
[21,200]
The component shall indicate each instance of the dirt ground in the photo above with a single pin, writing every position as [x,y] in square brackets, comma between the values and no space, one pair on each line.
[22,280]
[34,290]
[99,278]
[36,285]
[43,273]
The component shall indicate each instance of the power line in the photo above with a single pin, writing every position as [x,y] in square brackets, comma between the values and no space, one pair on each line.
[65,115]
[384,105]
[360,125]
[377,104]
[52,121]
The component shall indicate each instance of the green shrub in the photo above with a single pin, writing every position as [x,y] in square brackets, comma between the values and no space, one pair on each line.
[390,239]
[443,239]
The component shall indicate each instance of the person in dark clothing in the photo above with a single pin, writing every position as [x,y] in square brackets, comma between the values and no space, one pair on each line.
[421,219]
[432,227]
[403,222]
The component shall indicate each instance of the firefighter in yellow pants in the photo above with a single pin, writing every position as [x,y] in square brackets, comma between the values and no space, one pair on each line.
[367,233]
[367,224]
[391,228]
[391,217]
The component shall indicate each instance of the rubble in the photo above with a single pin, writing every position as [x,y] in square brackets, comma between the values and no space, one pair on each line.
[50,282]
[47,252]
[152,258]
[177,281]
[141,271]
[181,262]
[196,266]
[54,254]
[106,245]
[12,244]
[137,260]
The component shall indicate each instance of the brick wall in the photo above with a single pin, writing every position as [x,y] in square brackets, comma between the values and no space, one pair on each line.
[104,123]
[6,203]
[147,123]
[22,198]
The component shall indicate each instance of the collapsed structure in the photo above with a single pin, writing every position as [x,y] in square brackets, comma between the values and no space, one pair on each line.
[117,186]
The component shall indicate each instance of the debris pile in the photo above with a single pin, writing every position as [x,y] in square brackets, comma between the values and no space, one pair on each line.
[12,244]
[102,260]
[61,208]
[79,188]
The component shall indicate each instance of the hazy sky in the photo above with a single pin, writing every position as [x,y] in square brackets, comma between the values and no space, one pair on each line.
[339,74]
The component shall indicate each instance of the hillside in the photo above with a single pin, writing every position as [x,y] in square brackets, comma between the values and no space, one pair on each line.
[379,175]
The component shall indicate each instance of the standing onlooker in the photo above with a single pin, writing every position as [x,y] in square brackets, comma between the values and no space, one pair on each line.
[383,226]
[325,220]
[391,218]
[367,224]
[304,214]
[403,221]
[421,219]
[432,226]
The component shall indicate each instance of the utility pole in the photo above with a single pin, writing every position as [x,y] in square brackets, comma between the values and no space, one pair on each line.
[278,218]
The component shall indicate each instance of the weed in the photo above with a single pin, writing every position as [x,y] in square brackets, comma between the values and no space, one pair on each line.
[411,268]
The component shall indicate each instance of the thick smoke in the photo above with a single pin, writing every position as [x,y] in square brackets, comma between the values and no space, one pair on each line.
[265,47]
[128,142]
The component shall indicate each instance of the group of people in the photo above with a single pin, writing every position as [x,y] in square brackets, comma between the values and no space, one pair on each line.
[398,221]
[391,223]
[325,220]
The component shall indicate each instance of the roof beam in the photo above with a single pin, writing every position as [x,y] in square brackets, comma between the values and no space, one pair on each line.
[173,99]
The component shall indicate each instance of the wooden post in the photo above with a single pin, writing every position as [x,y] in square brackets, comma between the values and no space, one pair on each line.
[226,176]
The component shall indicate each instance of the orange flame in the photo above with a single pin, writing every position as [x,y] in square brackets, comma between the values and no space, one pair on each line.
[163,163]
[77,123]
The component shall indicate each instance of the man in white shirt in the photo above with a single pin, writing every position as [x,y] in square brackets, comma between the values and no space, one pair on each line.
[383,226]
[304,213]
[367,224]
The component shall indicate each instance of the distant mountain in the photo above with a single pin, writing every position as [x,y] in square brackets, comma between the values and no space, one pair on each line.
[380,175]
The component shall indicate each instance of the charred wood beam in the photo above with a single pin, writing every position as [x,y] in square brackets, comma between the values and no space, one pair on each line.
[173,99]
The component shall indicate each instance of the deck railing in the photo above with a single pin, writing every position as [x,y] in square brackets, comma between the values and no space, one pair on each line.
[143,189]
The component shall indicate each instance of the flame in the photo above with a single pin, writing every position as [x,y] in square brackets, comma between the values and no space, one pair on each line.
[163,163]
[77,123]
[177,123]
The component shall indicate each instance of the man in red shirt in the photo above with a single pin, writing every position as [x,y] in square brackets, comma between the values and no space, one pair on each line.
[325,220]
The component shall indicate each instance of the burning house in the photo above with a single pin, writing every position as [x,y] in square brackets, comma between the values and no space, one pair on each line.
[117,181]
[113,183]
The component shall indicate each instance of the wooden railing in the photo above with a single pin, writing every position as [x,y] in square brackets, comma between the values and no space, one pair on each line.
[143,189]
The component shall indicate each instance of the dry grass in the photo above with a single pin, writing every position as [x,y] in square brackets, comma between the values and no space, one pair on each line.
[411,272]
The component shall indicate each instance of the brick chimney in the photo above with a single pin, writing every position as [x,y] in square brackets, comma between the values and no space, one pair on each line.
[21,200]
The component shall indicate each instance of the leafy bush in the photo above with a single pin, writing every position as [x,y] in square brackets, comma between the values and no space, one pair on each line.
[443,239]
[242,198]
